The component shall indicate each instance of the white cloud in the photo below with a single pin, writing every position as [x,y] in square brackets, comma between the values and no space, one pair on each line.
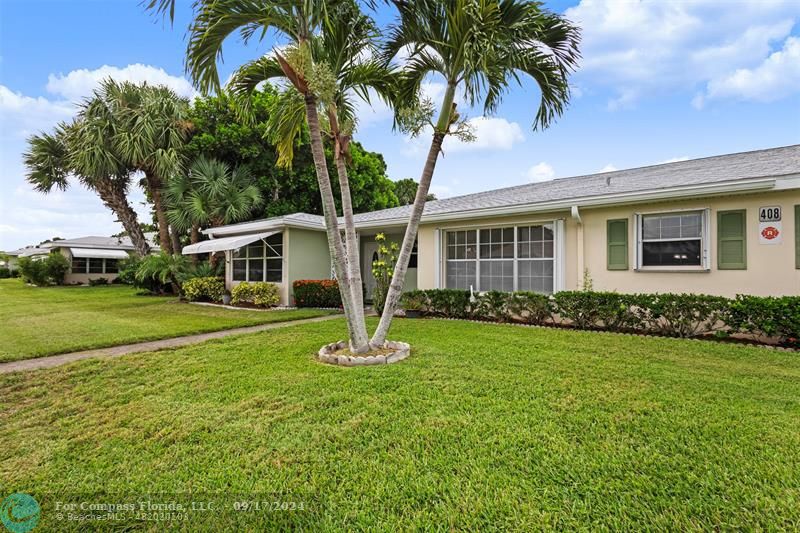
[776,77]
[674,160]
[608,168]
[80,83]
[541,172]
[491,133]
[22,115]
[637,48]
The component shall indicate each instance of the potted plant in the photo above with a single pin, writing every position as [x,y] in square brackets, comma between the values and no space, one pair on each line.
[413,304]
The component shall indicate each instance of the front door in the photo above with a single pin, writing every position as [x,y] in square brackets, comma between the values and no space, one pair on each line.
[370,255]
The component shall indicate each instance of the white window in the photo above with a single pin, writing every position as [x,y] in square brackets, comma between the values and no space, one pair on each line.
[675,240]
[93,265]
[261,261]
[505,259]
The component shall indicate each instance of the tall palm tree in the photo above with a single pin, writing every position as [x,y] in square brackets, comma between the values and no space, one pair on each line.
[347,47]
[82,149]
[151,130]
[210,194]
[296,21]
[479,47]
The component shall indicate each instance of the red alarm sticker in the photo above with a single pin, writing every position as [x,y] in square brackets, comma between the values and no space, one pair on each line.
[770,233]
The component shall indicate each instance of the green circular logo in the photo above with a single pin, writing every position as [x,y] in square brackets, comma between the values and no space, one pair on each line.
[20,513]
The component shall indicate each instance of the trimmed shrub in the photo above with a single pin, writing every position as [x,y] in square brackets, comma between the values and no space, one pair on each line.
[56,267]
[32,271]
[491,305]
[767,317]
[260,293]
[205,289]
[317,293]
[681,315]
[415,301]
[452,303]
[5,272]
[578,307]
[530,307]
[98,281]
[41,272]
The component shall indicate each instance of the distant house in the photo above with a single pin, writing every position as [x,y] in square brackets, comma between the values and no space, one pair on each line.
[90,257]
[718,225]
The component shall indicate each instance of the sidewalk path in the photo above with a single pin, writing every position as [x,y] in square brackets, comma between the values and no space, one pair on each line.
[150,346]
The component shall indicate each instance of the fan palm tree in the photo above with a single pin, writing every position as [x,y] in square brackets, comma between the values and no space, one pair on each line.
[479,47]
[347,47]
[81,149]
[210,194]
[151,130]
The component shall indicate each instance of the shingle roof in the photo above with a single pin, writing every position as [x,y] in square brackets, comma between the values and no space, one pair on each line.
[94,241]
[708,170]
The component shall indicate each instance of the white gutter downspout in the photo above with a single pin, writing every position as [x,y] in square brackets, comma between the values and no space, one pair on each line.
[576,216]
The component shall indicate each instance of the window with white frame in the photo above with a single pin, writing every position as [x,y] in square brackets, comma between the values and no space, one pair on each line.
[260,261]
[672,239]
[505,259]
[93,265]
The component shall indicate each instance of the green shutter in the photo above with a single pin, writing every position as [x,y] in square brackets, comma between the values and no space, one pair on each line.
[797,236]
[617,237]
[732,240]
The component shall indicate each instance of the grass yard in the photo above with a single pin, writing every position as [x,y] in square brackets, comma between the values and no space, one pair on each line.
[38,321]
[484,427]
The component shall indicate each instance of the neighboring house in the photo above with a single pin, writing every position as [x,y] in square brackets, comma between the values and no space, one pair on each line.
[718,225]
[90,257]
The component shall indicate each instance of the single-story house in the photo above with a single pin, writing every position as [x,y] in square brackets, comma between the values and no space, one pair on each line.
[90,257]
[718,225]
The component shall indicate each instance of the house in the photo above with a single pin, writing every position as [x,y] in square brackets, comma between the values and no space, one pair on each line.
[90,257]
[718,225]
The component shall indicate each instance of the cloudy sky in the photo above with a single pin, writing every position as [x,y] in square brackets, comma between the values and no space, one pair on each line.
[659,81]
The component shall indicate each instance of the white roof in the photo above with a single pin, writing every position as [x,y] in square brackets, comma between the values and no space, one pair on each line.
[98,253]
[227,243]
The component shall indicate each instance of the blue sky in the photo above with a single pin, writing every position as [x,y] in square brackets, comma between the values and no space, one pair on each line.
[659,81]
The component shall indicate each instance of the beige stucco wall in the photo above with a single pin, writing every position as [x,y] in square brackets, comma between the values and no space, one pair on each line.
[82,278]
[770,268]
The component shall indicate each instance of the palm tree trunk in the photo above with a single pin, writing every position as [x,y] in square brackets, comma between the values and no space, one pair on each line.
[351,240]
[115,199]
[176,240]
[358,343]
[194,237]
[154,185]
[399,275]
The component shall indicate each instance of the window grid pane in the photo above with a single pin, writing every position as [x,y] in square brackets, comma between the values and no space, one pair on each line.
[673,239]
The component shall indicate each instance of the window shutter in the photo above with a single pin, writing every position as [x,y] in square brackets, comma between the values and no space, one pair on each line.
[731,240]
[797,236]
[617,237]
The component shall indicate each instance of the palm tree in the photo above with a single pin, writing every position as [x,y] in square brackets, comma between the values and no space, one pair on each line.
[479,47]
[347,48]
[210,194]
[82,150]
[151,130]
[298,21]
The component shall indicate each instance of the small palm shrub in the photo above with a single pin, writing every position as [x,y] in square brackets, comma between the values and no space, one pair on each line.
[261,294]
[205,289]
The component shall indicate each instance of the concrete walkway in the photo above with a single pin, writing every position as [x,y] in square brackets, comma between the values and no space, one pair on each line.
[151,346]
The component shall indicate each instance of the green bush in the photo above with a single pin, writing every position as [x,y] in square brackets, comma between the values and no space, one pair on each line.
[261,294]
[491,305]
[51,269]
[598,310]
[127,269]
[530,307]
[767,317]
[98,281]
[5,272]
[207,289]
[681,315]
[579,307]
[415,301]
[317,293]
[452,303]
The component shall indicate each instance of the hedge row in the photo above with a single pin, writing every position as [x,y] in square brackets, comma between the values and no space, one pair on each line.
[317,293]
[675,315]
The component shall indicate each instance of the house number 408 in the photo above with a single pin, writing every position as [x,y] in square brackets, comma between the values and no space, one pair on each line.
[769,214]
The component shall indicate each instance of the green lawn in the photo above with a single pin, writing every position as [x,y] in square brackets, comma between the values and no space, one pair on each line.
[484,427]
[38,321]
